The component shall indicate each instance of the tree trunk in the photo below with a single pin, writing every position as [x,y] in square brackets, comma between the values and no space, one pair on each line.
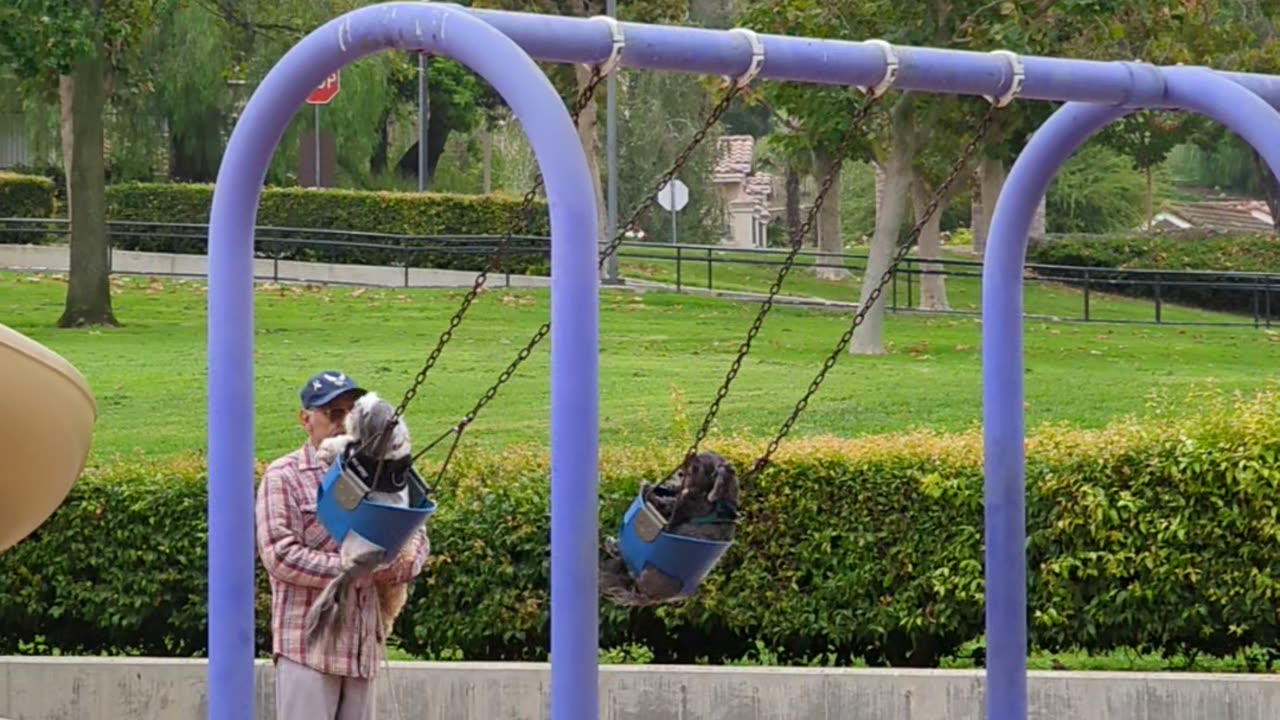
[991,176]
[793,202]
[1151,198]
[933,287]
[830,237]
[83,99]
[1039,221]
[867,339]
[1270,188]
[486,141]
[590,145]
[380,156]
[979,222]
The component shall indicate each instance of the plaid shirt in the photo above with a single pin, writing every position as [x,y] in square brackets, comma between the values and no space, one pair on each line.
[301,559]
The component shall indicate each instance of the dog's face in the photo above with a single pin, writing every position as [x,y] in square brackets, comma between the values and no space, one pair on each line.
[368,416]
[369,424]
[709,475]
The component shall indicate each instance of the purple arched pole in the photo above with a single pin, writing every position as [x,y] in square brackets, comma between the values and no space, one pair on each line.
[1188,88]
[443,30]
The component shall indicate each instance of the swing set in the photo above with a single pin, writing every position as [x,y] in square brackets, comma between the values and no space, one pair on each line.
[645,538]
[501,47]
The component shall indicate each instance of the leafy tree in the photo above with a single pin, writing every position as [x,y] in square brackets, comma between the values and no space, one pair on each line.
[458,101]
[572,81]
[908,124]
[79,49]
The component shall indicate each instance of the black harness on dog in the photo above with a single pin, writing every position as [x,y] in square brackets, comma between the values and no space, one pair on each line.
[726,513]
[380,475]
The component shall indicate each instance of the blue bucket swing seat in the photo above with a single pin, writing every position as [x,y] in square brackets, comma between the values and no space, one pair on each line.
[343,503]
[665,565]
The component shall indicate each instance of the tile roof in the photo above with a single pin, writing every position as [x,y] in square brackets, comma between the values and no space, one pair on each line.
[734,155]
[1246,216]
[734,162]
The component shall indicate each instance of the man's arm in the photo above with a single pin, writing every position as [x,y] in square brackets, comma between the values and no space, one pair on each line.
[284,555]
[407,564]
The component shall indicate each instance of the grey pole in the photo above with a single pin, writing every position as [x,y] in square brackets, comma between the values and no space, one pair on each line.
[424,115]
[611,160]
[317,148]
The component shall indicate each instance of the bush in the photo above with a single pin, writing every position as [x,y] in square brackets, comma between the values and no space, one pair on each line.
[1153,536]
[1097,190]
[1177,251]
[350,211]
[25,196]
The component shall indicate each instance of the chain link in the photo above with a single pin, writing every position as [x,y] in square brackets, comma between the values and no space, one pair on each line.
[797,242]
[649,199]
[956,168]
[526,205]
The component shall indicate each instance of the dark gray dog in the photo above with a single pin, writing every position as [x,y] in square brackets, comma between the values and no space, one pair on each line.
[699,501]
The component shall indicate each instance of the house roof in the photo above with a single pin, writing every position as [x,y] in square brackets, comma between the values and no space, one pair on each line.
[735,160]
[1238,216]
[735,155]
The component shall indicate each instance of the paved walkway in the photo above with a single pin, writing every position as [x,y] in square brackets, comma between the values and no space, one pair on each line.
[54,258]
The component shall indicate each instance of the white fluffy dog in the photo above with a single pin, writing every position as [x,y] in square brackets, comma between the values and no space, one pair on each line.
[365,426]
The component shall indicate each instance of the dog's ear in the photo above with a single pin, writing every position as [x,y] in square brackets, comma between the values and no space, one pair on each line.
[688,472]
[726,485]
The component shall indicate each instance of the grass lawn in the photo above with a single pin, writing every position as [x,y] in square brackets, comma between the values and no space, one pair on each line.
[662,357]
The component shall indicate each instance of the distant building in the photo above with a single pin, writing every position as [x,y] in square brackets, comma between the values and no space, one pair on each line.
[1222,216]
[743,192]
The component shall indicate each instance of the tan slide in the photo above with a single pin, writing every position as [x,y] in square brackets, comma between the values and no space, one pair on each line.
[45,432]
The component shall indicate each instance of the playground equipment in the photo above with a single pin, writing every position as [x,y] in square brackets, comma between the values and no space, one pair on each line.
[501,47]
[50,414]
[343,505]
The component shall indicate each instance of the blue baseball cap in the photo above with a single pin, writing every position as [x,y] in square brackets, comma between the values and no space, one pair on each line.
[323,387]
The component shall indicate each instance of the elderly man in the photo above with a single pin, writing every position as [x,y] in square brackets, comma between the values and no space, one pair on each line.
[300,558]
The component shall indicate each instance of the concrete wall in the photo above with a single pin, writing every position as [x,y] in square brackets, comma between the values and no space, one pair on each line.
[55,258]
[164,689]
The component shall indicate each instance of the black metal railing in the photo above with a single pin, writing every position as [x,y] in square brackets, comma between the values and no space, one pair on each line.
[1177,297]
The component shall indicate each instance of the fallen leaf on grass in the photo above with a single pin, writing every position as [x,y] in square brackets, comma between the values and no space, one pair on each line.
[517,300]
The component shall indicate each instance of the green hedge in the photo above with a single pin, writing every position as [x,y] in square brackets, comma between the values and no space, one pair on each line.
[389,213]
[1160,536]
[1196,251]
[25,196]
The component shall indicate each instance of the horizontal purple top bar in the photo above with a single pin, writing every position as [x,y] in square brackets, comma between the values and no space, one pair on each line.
[553,38]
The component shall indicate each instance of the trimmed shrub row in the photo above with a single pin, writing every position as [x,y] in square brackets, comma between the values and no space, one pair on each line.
[349,211]
[1153,536]
[25,196]
[1214,256]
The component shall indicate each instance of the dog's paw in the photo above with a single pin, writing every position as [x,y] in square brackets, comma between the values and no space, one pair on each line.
[331,448]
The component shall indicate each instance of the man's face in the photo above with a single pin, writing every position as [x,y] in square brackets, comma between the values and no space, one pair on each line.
[326,421]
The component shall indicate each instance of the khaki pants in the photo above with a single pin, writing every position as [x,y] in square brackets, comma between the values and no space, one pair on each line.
[306,694]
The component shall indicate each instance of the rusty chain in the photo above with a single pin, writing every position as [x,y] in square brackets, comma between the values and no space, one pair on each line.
[956,169]
[647,202]
[584,98]
[797,242]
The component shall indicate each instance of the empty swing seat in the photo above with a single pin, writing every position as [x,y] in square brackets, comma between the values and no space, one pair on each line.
[646,546]
[343,506]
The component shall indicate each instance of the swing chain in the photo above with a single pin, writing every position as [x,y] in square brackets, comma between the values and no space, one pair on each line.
[734,90]
[956,168]
[645,204]
[526,205]
[797,242]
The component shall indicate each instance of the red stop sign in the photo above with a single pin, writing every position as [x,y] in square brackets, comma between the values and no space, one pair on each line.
[326,91]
